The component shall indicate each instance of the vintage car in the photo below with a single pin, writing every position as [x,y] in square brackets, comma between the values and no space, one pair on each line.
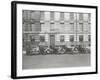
[61,50]
[48,50]
[35,50]
[75,50]
[88,49]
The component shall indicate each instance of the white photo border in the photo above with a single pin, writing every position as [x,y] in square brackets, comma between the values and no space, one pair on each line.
[51,71]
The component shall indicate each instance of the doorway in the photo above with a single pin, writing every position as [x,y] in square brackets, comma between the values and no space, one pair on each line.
[52,40]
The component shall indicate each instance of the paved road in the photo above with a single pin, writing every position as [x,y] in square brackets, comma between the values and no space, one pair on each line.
[54,61]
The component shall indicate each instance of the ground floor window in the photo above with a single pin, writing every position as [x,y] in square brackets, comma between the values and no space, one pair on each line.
[81,38]
[89,37]
[32,38]
[62,38]
[42,38]
[71,38]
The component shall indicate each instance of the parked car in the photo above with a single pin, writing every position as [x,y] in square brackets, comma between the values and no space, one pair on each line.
[48,50]
[35,50]
[61,50]
[79,49]
[75,50]
[88,50]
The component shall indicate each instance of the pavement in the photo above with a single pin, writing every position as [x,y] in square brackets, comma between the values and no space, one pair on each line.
[55,61]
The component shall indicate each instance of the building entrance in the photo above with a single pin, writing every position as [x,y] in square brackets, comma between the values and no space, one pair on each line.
[52,40]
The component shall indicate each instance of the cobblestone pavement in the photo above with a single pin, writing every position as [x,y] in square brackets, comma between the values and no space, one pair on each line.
[55,61]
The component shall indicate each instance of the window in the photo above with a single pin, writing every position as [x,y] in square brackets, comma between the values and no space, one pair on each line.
[42,38]
[72,27]
[71,16]
[33,27]
[37,26]
[32,15]
[89,17]
[32,38]
[30,28]
[81,38]
[25,14]
[62,38]
[89,38]
[42,15]
[47,15]
[52,15]
[62,16]
[27,27]
[81,27]
[25,36]
[57,16]
[52,27]
[71,38]
[80,16]
[42,27]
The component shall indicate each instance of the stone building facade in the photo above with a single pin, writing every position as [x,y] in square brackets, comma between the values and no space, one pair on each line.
[54,28]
